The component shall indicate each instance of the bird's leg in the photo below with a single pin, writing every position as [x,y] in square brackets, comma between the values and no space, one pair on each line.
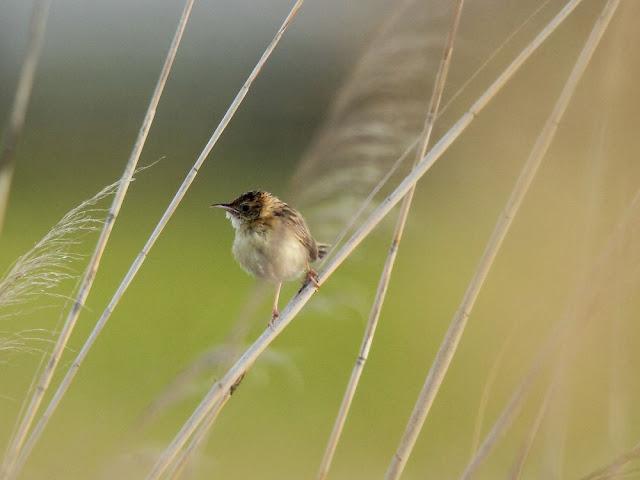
[275,313]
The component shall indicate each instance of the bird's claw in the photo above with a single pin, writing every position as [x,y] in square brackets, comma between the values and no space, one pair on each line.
[274,316]
[312,279]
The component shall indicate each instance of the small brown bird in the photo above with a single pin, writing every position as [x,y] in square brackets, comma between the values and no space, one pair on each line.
[272,240]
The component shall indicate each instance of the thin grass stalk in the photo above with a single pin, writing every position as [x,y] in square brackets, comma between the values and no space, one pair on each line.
[92,268]
[367,201]
[619,406]
[518,466]
[575,309]
[11,136]
[199,437]
[486,391]
[196,441]
[516,401]
[385,277]
[234,340]
[611,469]
[585,289]
[173,205]
[237,334]
[504,421]
[218,389]
[458,323]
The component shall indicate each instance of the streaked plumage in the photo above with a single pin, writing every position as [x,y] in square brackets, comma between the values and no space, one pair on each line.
[272,241]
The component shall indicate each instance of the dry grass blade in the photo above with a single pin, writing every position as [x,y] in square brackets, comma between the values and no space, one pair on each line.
[217,391]
[385,277]
[458,323]
[94,263]
[173,205]
[14,128]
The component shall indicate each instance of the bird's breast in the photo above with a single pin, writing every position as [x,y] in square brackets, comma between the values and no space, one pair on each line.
[271,254]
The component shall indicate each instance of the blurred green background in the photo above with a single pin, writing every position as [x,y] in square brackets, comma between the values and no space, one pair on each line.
[98,68]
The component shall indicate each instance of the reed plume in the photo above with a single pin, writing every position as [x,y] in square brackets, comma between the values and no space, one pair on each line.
[49,262]
[376,116]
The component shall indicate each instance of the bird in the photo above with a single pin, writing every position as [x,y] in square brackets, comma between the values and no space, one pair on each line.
[272,241]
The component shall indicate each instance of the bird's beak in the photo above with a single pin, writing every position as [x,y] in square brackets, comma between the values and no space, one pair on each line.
[224,206]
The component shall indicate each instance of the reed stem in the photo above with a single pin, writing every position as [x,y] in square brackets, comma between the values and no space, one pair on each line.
[518,466]
[385,277]
[219,388]
[94,263]
[458,323]
[173,205]
[611,469]
[577,309]
[13,131]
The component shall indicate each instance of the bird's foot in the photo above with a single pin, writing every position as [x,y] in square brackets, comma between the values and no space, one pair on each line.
[311,279]
[274,316]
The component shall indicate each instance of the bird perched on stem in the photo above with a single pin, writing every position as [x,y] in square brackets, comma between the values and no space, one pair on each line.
[272,240]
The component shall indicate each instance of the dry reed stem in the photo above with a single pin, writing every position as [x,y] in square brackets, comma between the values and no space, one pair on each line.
[173,205]
[234,339]
[458,323]
[11,136]
[295,305]
[572,313]
[196,441]
[611,469]
[220,357]
[586,288]
[355,217]
[486,391]
[561,365]
[505,420]
[516,470]
[385,277]
[619,404]
[92,268]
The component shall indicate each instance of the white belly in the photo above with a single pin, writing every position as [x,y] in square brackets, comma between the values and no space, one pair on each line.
[274,258]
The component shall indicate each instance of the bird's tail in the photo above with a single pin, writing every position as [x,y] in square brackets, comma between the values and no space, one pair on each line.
[323,249]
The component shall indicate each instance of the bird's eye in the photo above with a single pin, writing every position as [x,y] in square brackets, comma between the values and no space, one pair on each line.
[244,208]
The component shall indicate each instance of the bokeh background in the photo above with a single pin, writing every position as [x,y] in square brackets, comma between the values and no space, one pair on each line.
[98,68]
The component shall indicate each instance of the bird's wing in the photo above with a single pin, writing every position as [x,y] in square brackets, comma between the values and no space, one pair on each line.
[301,231]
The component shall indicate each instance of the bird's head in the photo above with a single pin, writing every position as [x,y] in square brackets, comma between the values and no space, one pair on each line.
[248,207]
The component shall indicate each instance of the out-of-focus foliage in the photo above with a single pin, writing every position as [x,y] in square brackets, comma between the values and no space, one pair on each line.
[98,68]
